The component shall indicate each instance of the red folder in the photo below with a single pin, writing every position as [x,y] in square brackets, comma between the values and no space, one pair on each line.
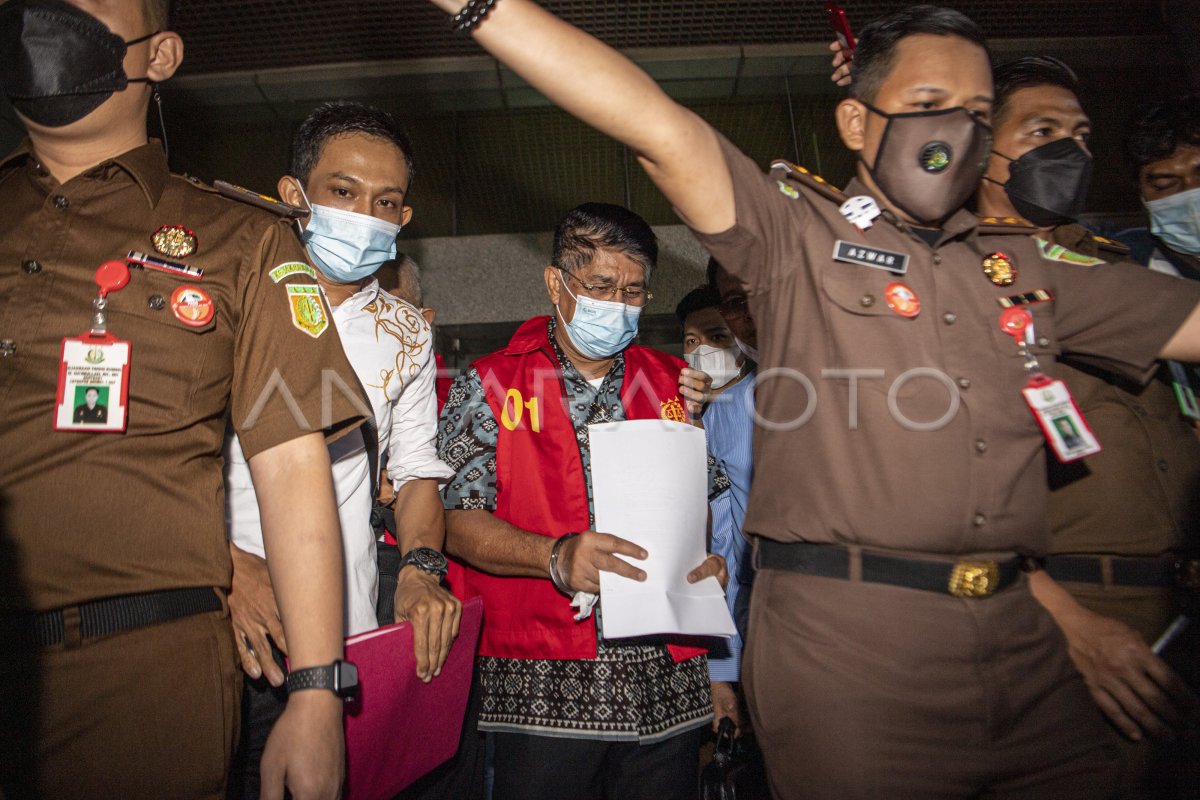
[398,728]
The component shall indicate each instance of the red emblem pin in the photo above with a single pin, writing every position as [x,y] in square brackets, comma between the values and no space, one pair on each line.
[192,306]
[902,300]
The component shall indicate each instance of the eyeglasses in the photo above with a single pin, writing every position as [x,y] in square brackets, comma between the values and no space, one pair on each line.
[734,307]
[630,295]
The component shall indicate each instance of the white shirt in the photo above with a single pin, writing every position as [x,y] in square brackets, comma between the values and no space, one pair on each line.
[390,347]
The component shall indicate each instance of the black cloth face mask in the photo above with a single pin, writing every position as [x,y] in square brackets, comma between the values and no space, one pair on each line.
[58,63]
[929,162]
[1048,185]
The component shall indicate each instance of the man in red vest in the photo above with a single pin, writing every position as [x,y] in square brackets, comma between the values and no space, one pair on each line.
[574,715]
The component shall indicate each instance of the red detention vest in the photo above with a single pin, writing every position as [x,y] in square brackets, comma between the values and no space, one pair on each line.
[541,486]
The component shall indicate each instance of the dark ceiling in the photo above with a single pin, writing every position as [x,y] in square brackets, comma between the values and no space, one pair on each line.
[493,157]
[225,35]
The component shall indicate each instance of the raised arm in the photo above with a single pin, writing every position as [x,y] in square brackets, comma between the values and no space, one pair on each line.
[1185,344]
[604,89]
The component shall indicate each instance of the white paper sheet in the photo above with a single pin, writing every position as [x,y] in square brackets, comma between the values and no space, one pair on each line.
[650,486]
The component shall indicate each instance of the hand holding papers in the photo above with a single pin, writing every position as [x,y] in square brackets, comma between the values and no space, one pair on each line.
[649,480]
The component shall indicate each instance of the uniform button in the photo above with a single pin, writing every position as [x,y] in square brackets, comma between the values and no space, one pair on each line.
[1042,341]
[60,201]
[937,259]
[979,520]
[981,445]
[867,300]
[964,383]
[7,348]
[1140,410]
[949,318]
[31,267]
[1162,464]
[156,302]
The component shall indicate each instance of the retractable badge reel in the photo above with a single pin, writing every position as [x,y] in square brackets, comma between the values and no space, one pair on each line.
[93,375]
[1048,398]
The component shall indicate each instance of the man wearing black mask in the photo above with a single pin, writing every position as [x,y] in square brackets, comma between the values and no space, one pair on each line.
[117,663]
[1131,507]
[895,649]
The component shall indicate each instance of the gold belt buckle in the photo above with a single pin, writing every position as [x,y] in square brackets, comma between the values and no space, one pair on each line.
[974,578]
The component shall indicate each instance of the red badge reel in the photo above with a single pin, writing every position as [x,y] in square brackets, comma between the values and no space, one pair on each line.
[93,373]
[1061,421]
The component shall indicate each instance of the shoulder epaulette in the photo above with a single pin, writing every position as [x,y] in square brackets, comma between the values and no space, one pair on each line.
[243,195]
[1004,225]
[1111,245]
[811,180]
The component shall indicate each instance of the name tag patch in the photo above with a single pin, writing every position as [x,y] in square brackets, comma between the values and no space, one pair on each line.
[864,256]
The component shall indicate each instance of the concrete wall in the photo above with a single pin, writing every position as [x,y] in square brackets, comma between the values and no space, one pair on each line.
[490,279]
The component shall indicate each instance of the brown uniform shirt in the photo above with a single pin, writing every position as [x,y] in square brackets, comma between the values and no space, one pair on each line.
[89,515]
[976,483]
[1140,496]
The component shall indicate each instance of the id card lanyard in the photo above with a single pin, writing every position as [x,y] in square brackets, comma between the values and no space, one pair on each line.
[1049,399]
[93,373]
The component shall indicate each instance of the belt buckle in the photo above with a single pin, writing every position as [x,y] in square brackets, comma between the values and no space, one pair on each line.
[974,578]
[1187,574]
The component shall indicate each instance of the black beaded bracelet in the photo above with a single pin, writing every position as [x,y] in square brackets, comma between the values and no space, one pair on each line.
[555,578]
[471,15]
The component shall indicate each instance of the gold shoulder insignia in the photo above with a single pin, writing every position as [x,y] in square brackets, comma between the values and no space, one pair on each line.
[1111,245]
[810,179]
[1003,225]
[242,195]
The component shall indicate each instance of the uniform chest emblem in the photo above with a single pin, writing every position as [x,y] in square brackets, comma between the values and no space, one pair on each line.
[673,410]
[902,300]
[308,309]
[175,241]
[192,306]
[1000,269]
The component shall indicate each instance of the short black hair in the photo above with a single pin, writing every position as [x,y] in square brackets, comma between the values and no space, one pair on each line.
[875,53]
[595,226]
[158,14]
[1162,129]
[343,117]
[1028,71]
[696,300]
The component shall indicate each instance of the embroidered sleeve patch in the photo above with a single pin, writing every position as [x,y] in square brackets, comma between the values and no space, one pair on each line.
[292,268]
[308,309]
[1056,252]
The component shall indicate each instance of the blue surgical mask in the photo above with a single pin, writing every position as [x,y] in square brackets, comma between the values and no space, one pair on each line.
[1176,220]
[599,328]
[346,246]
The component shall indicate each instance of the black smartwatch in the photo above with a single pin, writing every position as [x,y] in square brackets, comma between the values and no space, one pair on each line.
[340,677]
[425,559]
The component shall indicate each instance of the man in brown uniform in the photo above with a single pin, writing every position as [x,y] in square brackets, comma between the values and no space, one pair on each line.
[118,667]
[895,649]
[1122,519]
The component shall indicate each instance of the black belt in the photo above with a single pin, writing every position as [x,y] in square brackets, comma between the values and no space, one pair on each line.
[117,614]
[1163,572]
[964,578]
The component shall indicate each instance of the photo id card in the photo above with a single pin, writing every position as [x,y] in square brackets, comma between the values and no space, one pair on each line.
[1062,424]
[93,385]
